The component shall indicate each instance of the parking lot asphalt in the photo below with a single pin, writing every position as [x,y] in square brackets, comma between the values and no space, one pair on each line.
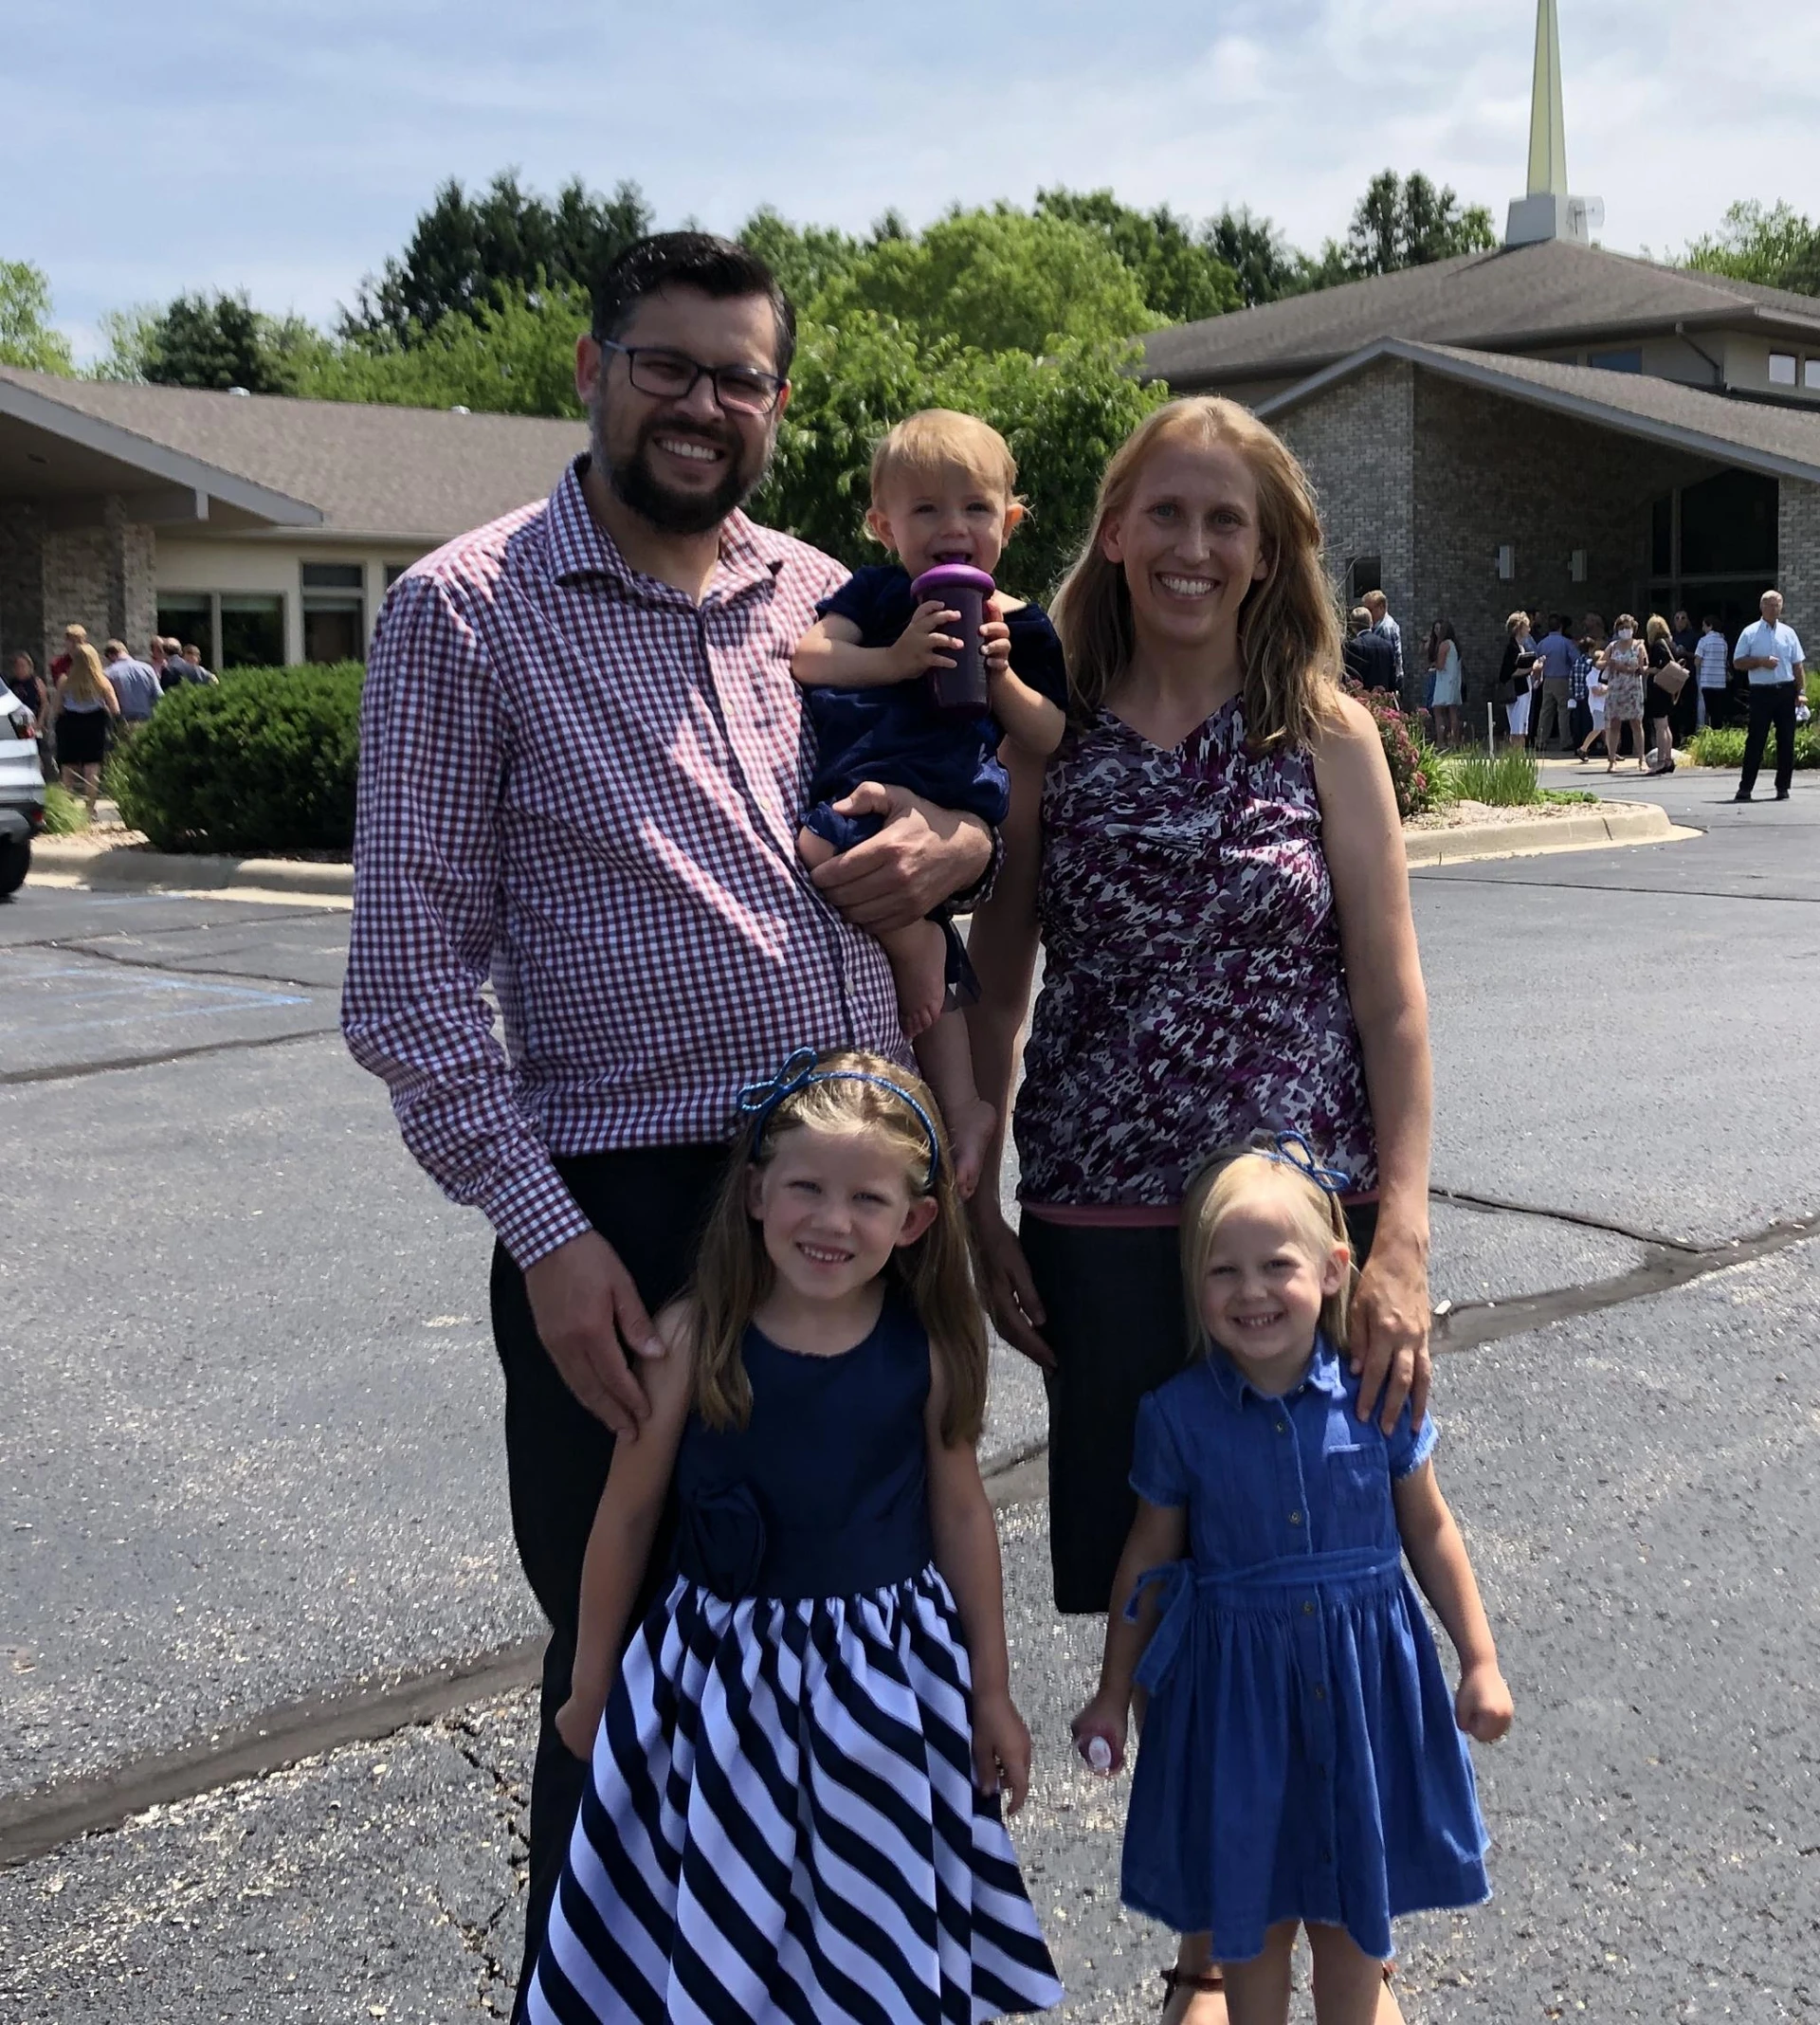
[251,1416]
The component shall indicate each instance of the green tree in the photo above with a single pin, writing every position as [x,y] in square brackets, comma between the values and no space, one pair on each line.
[1063,415]
[1264,265]
[806,258]
[463,248]
[1182,274]
[218,341]
[1405,224]
[26,338]
[996,279]
[1774,245]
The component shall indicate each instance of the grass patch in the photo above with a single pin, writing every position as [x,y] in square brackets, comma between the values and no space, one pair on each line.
[65,813]
[1723,745]
[1509,780]
[1567,795]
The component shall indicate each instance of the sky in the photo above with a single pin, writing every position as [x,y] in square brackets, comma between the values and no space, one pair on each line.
[286,146]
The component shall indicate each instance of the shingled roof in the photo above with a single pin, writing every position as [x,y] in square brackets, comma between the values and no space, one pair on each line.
[416,473]
[1553,292]
[1759,435]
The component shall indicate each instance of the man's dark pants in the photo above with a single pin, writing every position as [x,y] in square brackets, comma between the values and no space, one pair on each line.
[1772,705]
[650,1205]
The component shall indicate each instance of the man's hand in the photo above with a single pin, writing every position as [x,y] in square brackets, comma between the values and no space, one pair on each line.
[590,1316]
[1388,1335]
[922,856]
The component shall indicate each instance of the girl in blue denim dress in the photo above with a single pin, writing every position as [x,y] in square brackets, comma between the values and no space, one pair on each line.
[1302,1761]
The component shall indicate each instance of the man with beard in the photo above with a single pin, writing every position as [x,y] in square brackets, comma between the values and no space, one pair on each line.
[582,764]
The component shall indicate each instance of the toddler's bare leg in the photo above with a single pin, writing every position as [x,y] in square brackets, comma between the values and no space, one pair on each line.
[946,1060]
[1350,1988]
[1257,1992]
[919,954]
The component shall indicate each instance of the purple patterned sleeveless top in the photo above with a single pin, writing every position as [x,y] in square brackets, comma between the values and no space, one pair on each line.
[1193,986]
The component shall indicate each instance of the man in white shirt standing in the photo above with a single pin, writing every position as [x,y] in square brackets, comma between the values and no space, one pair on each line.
[1713,662]
[1770,654]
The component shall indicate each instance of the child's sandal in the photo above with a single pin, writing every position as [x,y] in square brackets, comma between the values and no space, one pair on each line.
[1199,1980]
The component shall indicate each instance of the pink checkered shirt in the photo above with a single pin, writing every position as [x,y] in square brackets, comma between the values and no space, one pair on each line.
[578,782]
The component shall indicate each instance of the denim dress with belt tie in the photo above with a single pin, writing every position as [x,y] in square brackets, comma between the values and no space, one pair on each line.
[1299,1757]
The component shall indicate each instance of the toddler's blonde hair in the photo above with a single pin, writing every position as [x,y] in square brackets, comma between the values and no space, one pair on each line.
[1233,1172]
[938,439]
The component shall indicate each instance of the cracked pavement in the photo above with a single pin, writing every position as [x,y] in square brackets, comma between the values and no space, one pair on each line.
[251,1428]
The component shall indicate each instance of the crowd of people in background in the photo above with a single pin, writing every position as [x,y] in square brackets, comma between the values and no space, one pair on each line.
[1633,692]
[86,701]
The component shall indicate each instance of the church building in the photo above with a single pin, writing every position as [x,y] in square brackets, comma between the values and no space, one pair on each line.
[1549,426]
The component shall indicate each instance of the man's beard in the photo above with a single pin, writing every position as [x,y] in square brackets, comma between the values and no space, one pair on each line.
[637,485]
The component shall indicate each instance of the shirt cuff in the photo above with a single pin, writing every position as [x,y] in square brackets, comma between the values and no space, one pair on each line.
[534,1214]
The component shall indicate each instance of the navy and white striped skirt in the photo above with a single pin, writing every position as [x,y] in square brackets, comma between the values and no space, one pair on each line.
[783,1829]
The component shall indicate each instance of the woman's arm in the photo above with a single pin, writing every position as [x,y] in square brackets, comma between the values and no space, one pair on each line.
[966,1537]
[1003,947]
[1158,1533]
[1438,1555]
[626,1521]
[1363,841]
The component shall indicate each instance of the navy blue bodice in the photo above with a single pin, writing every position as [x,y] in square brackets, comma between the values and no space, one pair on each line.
[825,1492]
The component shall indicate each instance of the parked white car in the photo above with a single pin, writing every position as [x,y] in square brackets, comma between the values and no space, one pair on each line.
[22,793]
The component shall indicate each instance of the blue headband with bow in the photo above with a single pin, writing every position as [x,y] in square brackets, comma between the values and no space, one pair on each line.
[757,1101]
[1290,1149]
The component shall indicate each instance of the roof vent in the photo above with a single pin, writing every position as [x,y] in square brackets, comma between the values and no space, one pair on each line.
[242,392]
[459,410]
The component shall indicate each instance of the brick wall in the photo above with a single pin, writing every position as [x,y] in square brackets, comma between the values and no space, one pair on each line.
[22,584]
[133,579]
[1798,560]
[1358,443]
[79,578]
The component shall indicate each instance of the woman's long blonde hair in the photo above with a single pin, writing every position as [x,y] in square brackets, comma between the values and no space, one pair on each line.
[1289,624]
[84,681]
[1318,1213]
[734,1272]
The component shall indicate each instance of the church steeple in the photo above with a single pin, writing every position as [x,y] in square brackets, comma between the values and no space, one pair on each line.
[1547,211]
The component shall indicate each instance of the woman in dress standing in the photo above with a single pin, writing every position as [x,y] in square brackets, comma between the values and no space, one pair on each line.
[1625,668]
[1444,659]
[1513,675]
[85,700]
[1662,693]
[1214,867]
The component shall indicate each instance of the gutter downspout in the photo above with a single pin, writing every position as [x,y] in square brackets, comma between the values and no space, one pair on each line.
[1718,371]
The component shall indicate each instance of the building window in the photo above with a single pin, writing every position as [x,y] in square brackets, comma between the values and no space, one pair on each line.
[1810,373]
[1628,361]
[1781,368]
[335,611]
[252,629]
[1728,526]
[1363,573]
[395,570]
[189,615]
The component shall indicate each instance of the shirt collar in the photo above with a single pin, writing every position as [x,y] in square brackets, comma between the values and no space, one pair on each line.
[1324,1374]
[581,550]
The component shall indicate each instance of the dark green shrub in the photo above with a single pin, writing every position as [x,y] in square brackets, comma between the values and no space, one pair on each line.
[1723,745]
[263,761]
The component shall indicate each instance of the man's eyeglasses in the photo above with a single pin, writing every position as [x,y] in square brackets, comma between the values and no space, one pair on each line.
[671,377]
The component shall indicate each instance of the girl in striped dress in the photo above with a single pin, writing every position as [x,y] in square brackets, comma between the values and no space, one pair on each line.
[794,1817]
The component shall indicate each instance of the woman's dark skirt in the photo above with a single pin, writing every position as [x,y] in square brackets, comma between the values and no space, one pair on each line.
[82,738]
[1118,1327]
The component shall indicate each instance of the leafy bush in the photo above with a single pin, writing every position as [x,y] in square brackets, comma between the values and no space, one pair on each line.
[1509,780]
[65,813]
[1723,745]
[263,761]
[1415,769]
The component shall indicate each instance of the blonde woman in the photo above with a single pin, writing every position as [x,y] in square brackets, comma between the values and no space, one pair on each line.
[85,700]
[1625,669]
[1667,678]
[1213,866]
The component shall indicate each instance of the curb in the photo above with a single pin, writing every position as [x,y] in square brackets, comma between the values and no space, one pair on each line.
[1599,828]
[198,874]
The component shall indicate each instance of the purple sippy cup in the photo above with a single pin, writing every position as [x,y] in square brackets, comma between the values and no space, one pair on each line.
[961,689]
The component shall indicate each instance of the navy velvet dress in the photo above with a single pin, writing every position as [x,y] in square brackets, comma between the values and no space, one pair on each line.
[894,736]
[782,1824]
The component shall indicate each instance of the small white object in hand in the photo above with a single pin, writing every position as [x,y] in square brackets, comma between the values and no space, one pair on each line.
[1098,1753]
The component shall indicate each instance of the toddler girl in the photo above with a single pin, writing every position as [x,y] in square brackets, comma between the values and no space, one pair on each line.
[793,1812]
[943,490]
[1300,1761]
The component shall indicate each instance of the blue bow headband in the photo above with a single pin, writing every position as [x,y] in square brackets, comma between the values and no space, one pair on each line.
[757,1101]
[1290,1149]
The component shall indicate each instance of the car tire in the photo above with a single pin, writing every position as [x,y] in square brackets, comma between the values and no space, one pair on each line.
[15,861]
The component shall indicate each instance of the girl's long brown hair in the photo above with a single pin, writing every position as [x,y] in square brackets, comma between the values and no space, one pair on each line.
[1289,623]
[734,1274]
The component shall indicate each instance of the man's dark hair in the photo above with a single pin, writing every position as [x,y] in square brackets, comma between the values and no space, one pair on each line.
[714,268]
